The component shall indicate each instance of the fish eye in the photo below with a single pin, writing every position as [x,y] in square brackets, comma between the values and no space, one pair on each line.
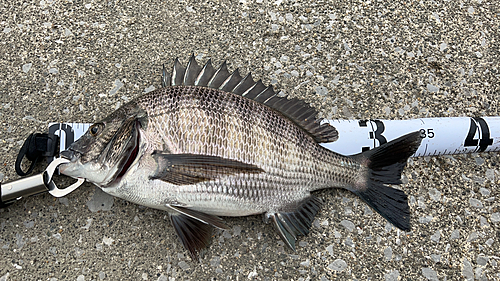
[95,129]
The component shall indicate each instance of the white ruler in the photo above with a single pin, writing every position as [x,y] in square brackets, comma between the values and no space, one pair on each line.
[453,135]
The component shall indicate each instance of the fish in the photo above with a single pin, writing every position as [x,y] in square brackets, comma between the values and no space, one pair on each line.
[210,143]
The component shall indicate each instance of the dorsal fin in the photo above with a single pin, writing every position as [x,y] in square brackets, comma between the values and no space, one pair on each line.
[296,110]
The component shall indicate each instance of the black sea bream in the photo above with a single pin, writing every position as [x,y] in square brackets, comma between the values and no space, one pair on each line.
[211,143]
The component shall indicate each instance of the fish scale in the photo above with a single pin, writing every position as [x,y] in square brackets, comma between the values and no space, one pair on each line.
[211,143]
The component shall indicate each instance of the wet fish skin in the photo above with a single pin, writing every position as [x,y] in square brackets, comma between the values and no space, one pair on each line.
[215,144]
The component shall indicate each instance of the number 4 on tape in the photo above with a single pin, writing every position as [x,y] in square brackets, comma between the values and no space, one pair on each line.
[483,133]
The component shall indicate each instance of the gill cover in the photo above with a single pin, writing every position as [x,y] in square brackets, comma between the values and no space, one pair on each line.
[106,151]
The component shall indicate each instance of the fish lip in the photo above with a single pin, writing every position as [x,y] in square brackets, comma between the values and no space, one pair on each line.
[67,154]
[70,155]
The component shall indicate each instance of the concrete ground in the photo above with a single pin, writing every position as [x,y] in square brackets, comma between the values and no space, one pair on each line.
[78,60]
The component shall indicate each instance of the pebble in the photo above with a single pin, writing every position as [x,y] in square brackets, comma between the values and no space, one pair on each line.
[29,224]
[490,174]
[443,46]
[392,276]
[330,250]
[237,230]
[183,265]
[305,263]
[348,225]
[226,234]
[475,203]
[435,194]
[149,89]
[349,243]
[108,240]
[479,161]
[388,253]
[321,90]
[455,234]
[431,88]
[467,270]
[215,261]
[472,236]
[100,201]
[27,67]
[118,85]
[53,250]
[483,221]
[436,236]
[64,201]
[430,274]
[338,265]
[482,260]
[490,242]
[425,219]
[368,211]
[495,217]
[436,258]
[485,192]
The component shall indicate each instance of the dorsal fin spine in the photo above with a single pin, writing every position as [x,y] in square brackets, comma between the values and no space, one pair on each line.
[243,85]
[166,79]
[191,72]
[206,72]
[218,75]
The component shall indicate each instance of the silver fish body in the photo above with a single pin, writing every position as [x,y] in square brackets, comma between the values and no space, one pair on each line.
[212,144]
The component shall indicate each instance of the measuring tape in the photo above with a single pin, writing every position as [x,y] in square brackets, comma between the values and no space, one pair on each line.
[453,135]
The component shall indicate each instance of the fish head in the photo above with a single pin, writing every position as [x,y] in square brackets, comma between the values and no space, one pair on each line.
[105,152]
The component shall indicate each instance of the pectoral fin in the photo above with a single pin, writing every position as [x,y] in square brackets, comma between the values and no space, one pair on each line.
[183,169]
[194,228]
[295,219]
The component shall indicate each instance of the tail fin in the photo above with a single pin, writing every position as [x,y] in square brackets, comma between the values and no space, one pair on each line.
[384,166]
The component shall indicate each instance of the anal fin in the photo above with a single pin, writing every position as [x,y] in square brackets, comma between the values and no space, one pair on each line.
[202,217]
[194,228]
[295,219]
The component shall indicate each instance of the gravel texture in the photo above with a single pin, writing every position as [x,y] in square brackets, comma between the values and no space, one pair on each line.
[78,60]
